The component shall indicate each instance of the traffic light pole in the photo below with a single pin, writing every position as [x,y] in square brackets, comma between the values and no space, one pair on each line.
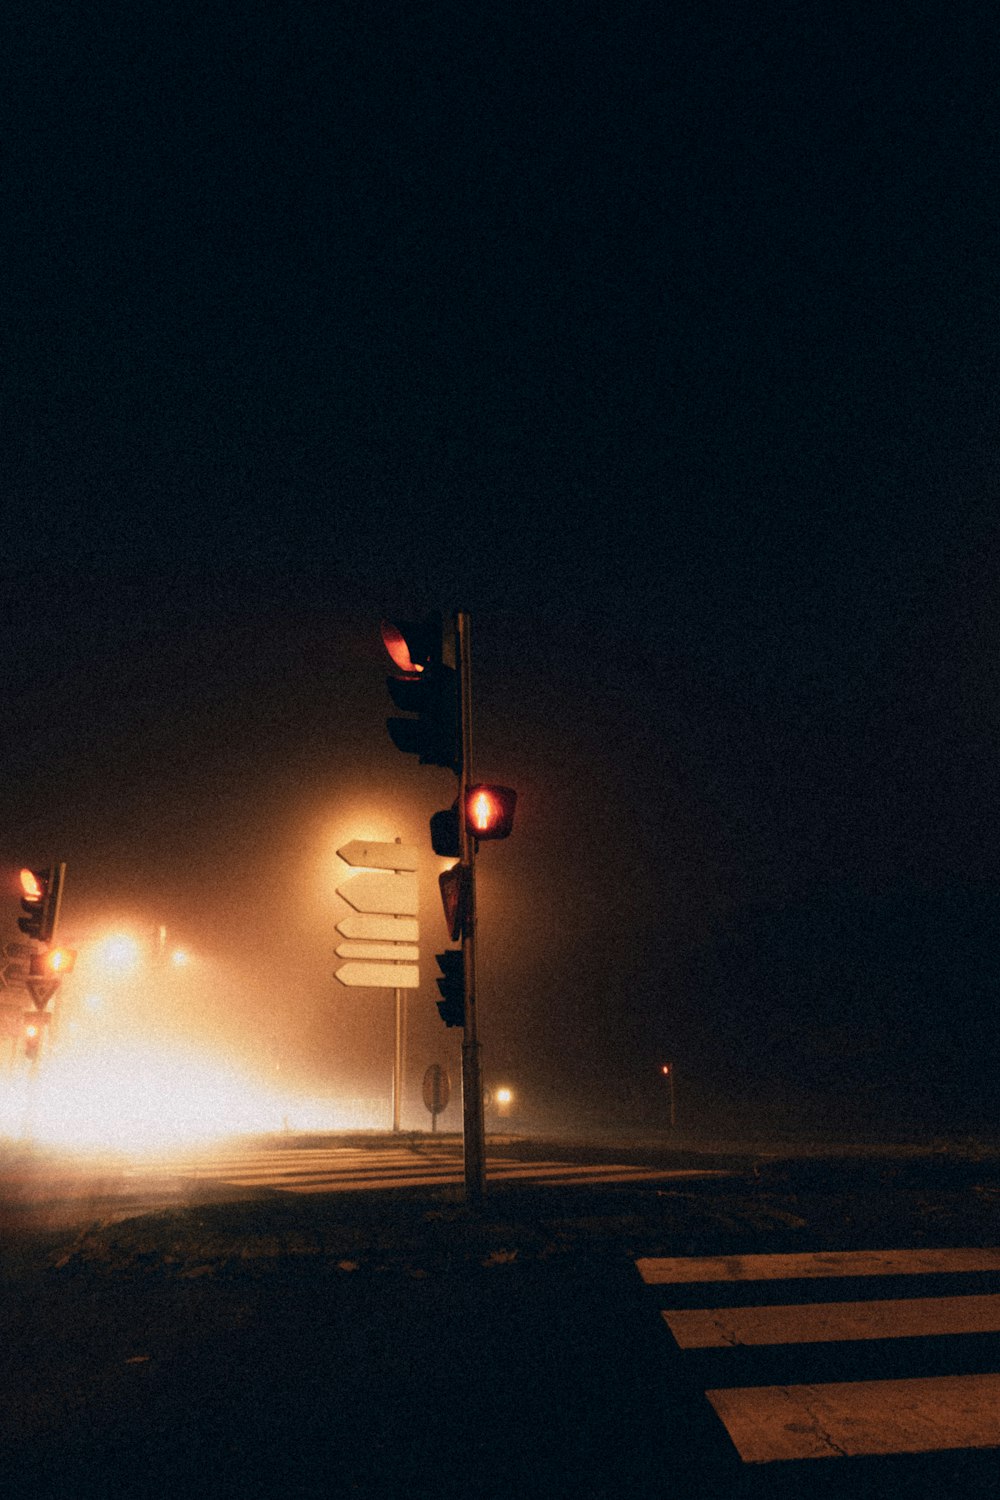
[472,1074]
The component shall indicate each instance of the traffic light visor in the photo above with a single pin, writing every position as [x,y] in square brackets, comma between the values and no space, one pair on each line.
[396,644]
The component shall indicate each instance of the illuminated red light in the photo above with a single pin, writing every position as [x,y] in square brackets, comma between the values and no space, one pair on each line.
[395,643]
[489,810]
[30,886]
[482,811]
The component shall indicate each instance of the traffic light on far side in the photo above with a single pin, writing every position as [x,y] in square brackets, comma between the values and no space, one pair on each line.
[52,964]
[489,810]
[451,1007]
[41,891]
[34,1028]
[427,691]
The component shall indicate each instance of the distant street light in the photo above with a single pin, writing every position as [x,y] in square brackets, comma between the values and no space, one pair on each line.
[120,955]
[667,1069]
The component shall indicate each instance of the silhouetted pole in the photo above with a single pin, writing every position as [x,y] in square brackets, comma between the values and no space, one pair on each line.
[472,1075]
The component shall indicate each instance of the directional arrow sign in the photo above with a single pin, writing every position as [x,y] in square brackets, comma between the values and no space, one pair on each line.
[380,976]
[392,929]
[379,856]
[377,891]
[395,951]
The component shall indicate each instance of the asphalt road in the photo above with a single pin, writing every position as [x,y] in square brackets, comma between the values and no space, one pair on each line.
[251,1343]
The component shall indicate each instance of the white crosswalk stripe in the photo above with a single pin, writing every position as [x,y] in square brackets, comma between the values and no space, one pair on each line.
[351,1169]
[803,1418]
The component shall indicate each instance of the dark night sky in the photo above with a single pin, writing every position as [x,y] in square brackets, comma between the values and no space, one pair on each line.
[663,340]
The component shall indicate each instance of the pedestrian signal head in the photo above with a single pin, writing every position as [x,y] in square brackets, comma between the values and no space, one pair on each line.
[489,810]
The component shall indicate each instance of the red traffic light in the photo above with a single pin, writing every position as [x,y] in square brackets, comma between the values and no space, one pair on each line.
[40,897]
[395,643]
[53,963]
[489,810]
[414,644]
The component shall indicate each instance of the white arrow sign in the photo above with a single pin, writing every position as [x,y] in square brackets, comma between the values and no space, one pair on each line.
[380,976]
[377,891]
[379,856]
[395,951]
[392,929]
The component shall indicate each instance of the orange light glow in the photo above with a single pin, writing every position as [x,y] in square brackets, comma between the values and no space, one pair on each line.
[60,960]
[151,1097]
[397,648]
[30,886]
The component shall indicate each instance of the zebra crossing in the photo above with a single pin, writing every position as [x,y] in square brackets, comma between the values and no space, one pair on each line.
[840,1354]
[331,1169]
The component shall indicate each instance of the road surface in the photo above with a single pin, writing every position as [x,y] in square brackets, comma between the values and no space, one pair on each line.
[278,1321]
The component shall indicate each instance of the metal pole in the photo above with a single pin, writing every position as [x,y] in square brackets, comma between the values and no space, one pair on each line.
[397,1062]
[472,1076]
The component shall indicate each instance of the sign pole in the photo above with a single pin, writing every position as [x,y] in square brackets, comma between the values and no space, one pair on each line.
[397,1063]
[472,1076]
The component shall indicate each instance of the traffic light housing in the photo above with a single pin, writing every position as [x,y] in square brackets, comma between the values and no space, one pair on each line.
[426,691]
[451,1006]
[52,964]
[34,1027]
[454,886]
[41,894]
[444,832]
[489,810]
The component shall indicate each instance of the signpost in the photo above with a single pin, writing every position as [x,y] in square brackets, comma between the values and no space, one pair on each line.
[383,892]
[436,1091]
[391,929]
[382,946]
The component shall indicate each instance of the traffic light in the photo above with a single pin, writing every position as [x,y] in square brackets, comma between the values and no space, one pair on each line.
[451,1007]
[41,892]
[34,1025]
[444,832]
[489,810]
[427,690]
[53,963]
[454,884]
